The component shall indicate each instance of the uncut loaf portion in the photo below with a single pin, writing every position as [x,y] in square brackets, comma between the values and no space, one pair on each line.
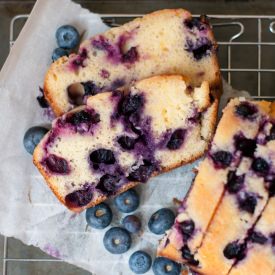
[118,140]
[163,42]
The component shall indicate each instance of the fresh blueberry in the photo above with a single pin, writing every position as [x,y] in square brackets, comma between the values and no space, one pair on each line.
[234,182]
[142,173]
[131,104]
[102,156]
[126,142]
[161,221]
[246,146]
[246,110]
[67,37]
[117,240]
[83,117]
[257,237]
[164,266]
[130,56]
[80,197]
[99,216]
[140,262]
[59,52]
[32,137]
[128,201]
[187,228]
[176,139]
[132,223]
[260,166]
[57,164]
[234,250]
[248,202]
[222,159]
[108,184]
[188,256]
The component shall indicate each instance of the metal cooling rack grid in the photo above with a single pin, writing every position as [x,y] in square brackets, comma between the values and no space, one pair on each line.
[236,25]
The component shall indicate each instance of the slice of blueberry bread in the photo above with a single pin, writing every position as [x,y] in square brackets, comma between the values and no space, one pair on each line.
[260,246]
[164,42]
[221,185]
[118,140]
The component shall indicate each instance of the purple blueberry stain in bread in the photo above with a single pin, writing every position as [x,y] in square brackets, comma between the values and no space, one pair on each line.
[260,166]
[196,23]
[245,145]
[200,48]
[187,255]
[102,155]
[143,172]
[246,110]
[234,183]
[131,56]
[56,164]
[80,197]
[257,237]
[109,184]
[104,73]
[235,250]
[176,139]
[222,159]
[247,202]
[79,59]
[187,228]
[117,83]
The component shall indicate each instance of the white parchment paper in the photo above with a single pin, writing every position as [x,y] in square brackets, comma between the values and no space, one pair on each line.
[28,209]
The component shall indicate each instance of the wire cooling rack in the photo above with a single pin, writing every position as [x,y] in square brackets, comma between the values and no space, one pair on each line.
[246,51]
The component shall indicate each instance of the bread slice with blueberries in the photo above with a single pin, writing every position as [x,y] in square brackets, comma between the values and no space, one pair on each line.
[120,139]
[163,42]
[230,193]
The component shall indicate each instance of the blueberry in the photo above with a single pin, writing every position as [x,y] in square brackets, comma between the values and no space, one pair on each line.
[234,182]
[102,156]
[272,134]
[187,228]
[195,23]
[234,250]
[126,142]
[161,221]
[260,166]
[128,201]
[130,56]
[246,146]
[108,184]
[200,48]
[222,159]
[246,110]
[164,266]
[117,83]
[59,52]
[83,117]
[91,88]
[188,256]
[271,188]
[272,236]
[131,104]
[99,216]
[57,164]
[248,203]
[117,240]
[42,100]
[257,237]
[132,223]
[32,137]
[140,262]
[176,139]
[67,37]
[80,197]
[142,173]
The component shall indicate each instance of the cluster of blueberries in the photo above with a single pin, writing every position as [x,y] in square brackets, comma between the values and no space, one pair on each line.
[117,240]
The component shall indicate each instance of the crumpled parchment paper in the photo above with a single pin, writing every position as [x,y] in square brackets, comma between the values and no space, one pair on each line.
[28,210]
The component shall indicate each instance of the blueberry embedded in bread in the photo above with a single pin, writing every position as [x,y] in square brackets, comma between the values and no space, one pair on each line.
[118,140]
[163,42]
[228,195]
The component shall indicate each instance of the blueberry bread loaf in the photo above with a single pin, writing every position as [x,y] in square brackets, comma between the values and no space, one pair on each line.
[118,140]
[230,191]
[164,42]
